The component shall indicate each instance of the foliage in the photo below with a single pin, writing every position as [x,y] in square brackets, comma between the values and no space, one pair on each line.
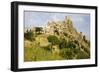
[53,39]
[38,30]
[63,43]
[82,55]
[87,41]
[39,54]
[76,50]
[71,44]
[66,44]
[76,42]
[29,35]
[67,53]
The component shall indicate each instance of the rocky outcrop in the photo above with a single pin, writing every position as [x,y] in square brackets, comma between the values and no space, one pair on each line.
[66,30]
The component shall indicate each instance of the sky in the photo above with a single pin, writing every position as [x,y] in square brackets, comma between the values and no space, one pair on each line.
[39,19]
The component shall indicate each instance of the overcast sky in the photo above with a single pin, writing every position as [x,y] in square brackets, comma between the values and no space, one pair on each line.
[80,21]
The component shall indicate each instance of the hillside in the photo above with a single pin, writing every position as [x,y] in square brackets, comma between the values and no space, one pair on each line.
[59,40]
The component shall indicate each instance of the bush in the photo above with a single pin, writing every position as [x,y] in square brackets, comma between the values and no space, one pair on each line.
[76,42]
[63,44]
[82,55]
[29,35]
[38,30]
[53,40]
[76,50]
[67,53]
[71,44]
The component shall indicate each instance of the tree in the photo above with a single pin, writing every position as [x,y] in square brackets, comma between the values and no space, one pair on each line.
[63,43]
[38,30]
[82,55]
[86,41]
[76,42]
[67,53]
[84,38]
[71,44]
[53,40]
[29,35]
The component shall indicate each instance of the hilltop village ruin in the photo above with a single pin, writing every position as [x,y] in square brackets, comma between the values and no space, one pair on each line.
[57,38]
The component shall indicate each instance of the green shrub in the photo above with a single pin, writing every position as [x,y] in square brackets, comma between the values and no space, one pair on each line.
[29,35]
[66,44]
[82,55]
[76,50]
[71,44]
[63,44]
[38,30]
[53,40]
[67,53]
[76,42]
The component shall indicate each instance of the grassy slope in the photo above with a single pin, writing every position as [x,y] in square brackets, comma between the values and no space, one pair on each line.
[36,53]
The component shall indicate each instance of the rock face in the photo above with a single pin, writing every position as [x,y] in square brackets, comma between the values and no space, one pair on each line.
[66,29]
[60,26]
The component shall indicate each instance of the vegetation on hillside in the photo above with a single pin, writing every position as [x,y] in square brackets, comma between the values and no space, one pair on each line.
[65,45]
